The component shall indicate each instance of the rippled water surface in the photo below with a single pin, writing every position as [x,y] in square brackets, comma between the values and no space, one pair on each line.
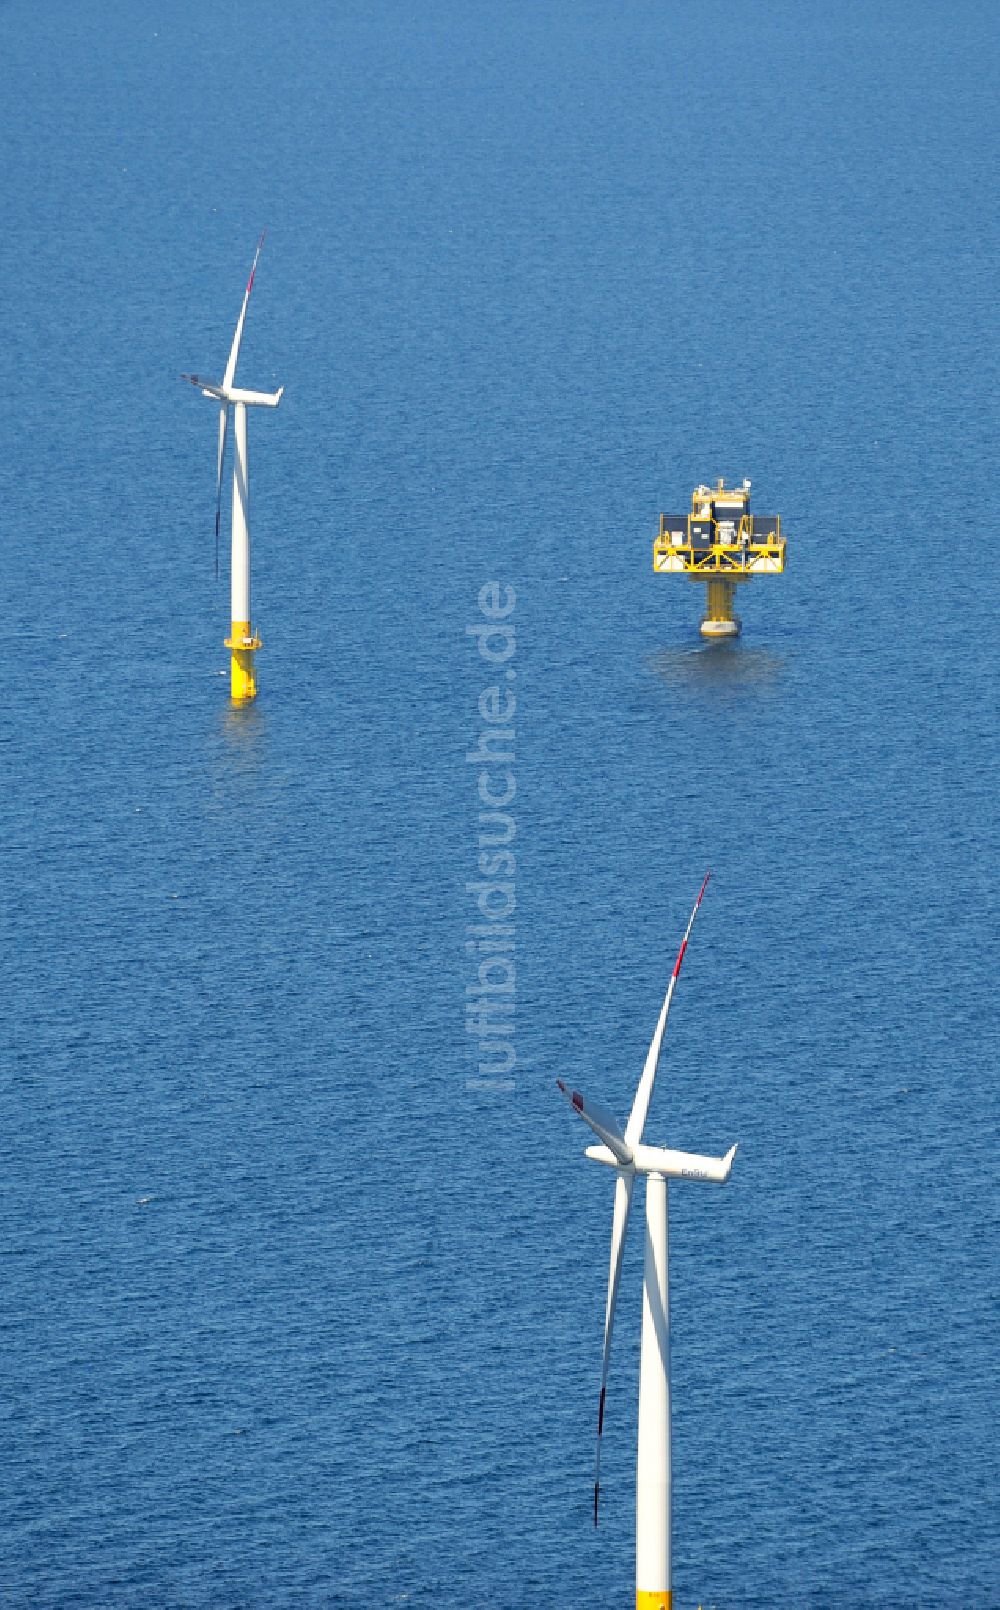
[292,1314]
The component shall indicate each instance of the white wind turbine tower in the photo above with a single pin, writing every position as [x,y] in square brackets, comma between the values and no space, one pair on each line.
[243,641]
[625,1152]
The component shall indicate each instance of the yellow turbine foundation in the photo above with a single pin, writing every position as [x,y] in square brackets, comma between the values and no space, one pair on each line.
[652,1601]
[243,645]
[720,620]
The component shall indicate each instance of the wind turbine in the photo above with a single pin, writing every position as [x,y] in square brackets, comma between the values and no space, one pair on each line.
[624,1151]
[243,642]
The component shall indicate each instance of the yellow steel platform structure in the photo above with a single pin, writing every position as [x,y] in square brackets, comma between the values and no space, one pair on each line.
[722,544]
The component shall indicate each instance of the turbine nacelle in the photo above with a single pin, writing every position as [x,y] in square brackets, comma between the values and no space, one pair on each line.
[617,1152]
[231,394]
[673,1165]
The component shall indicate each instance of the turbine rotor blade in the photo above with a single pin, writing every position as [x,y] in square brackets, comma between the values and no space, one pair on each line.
[644,1091]
[619,1225]
[208,388]
[234,352]
[603,1123]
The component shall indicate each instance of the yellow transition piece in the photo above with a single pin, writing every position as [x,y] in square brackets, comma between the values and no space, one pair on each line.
[243,645]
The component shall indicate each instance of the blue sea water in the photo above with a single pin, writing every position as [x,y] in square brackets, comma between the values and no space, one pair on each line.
[294,1314]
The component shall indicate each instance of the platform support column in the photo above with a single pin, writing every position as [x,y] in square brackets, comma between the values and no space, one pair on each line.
[720,620]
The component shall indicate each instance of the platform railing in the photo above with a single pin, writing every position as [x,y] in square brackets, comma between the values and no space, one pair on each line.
[737,556]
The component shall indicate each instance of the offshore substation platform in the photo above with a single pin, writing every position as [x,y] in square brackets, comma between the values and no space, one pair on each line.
[722,544]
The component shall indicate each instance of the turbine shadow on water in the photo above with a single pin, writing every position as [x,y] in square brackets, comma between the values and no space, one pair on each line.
[722,667]
[243,731]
